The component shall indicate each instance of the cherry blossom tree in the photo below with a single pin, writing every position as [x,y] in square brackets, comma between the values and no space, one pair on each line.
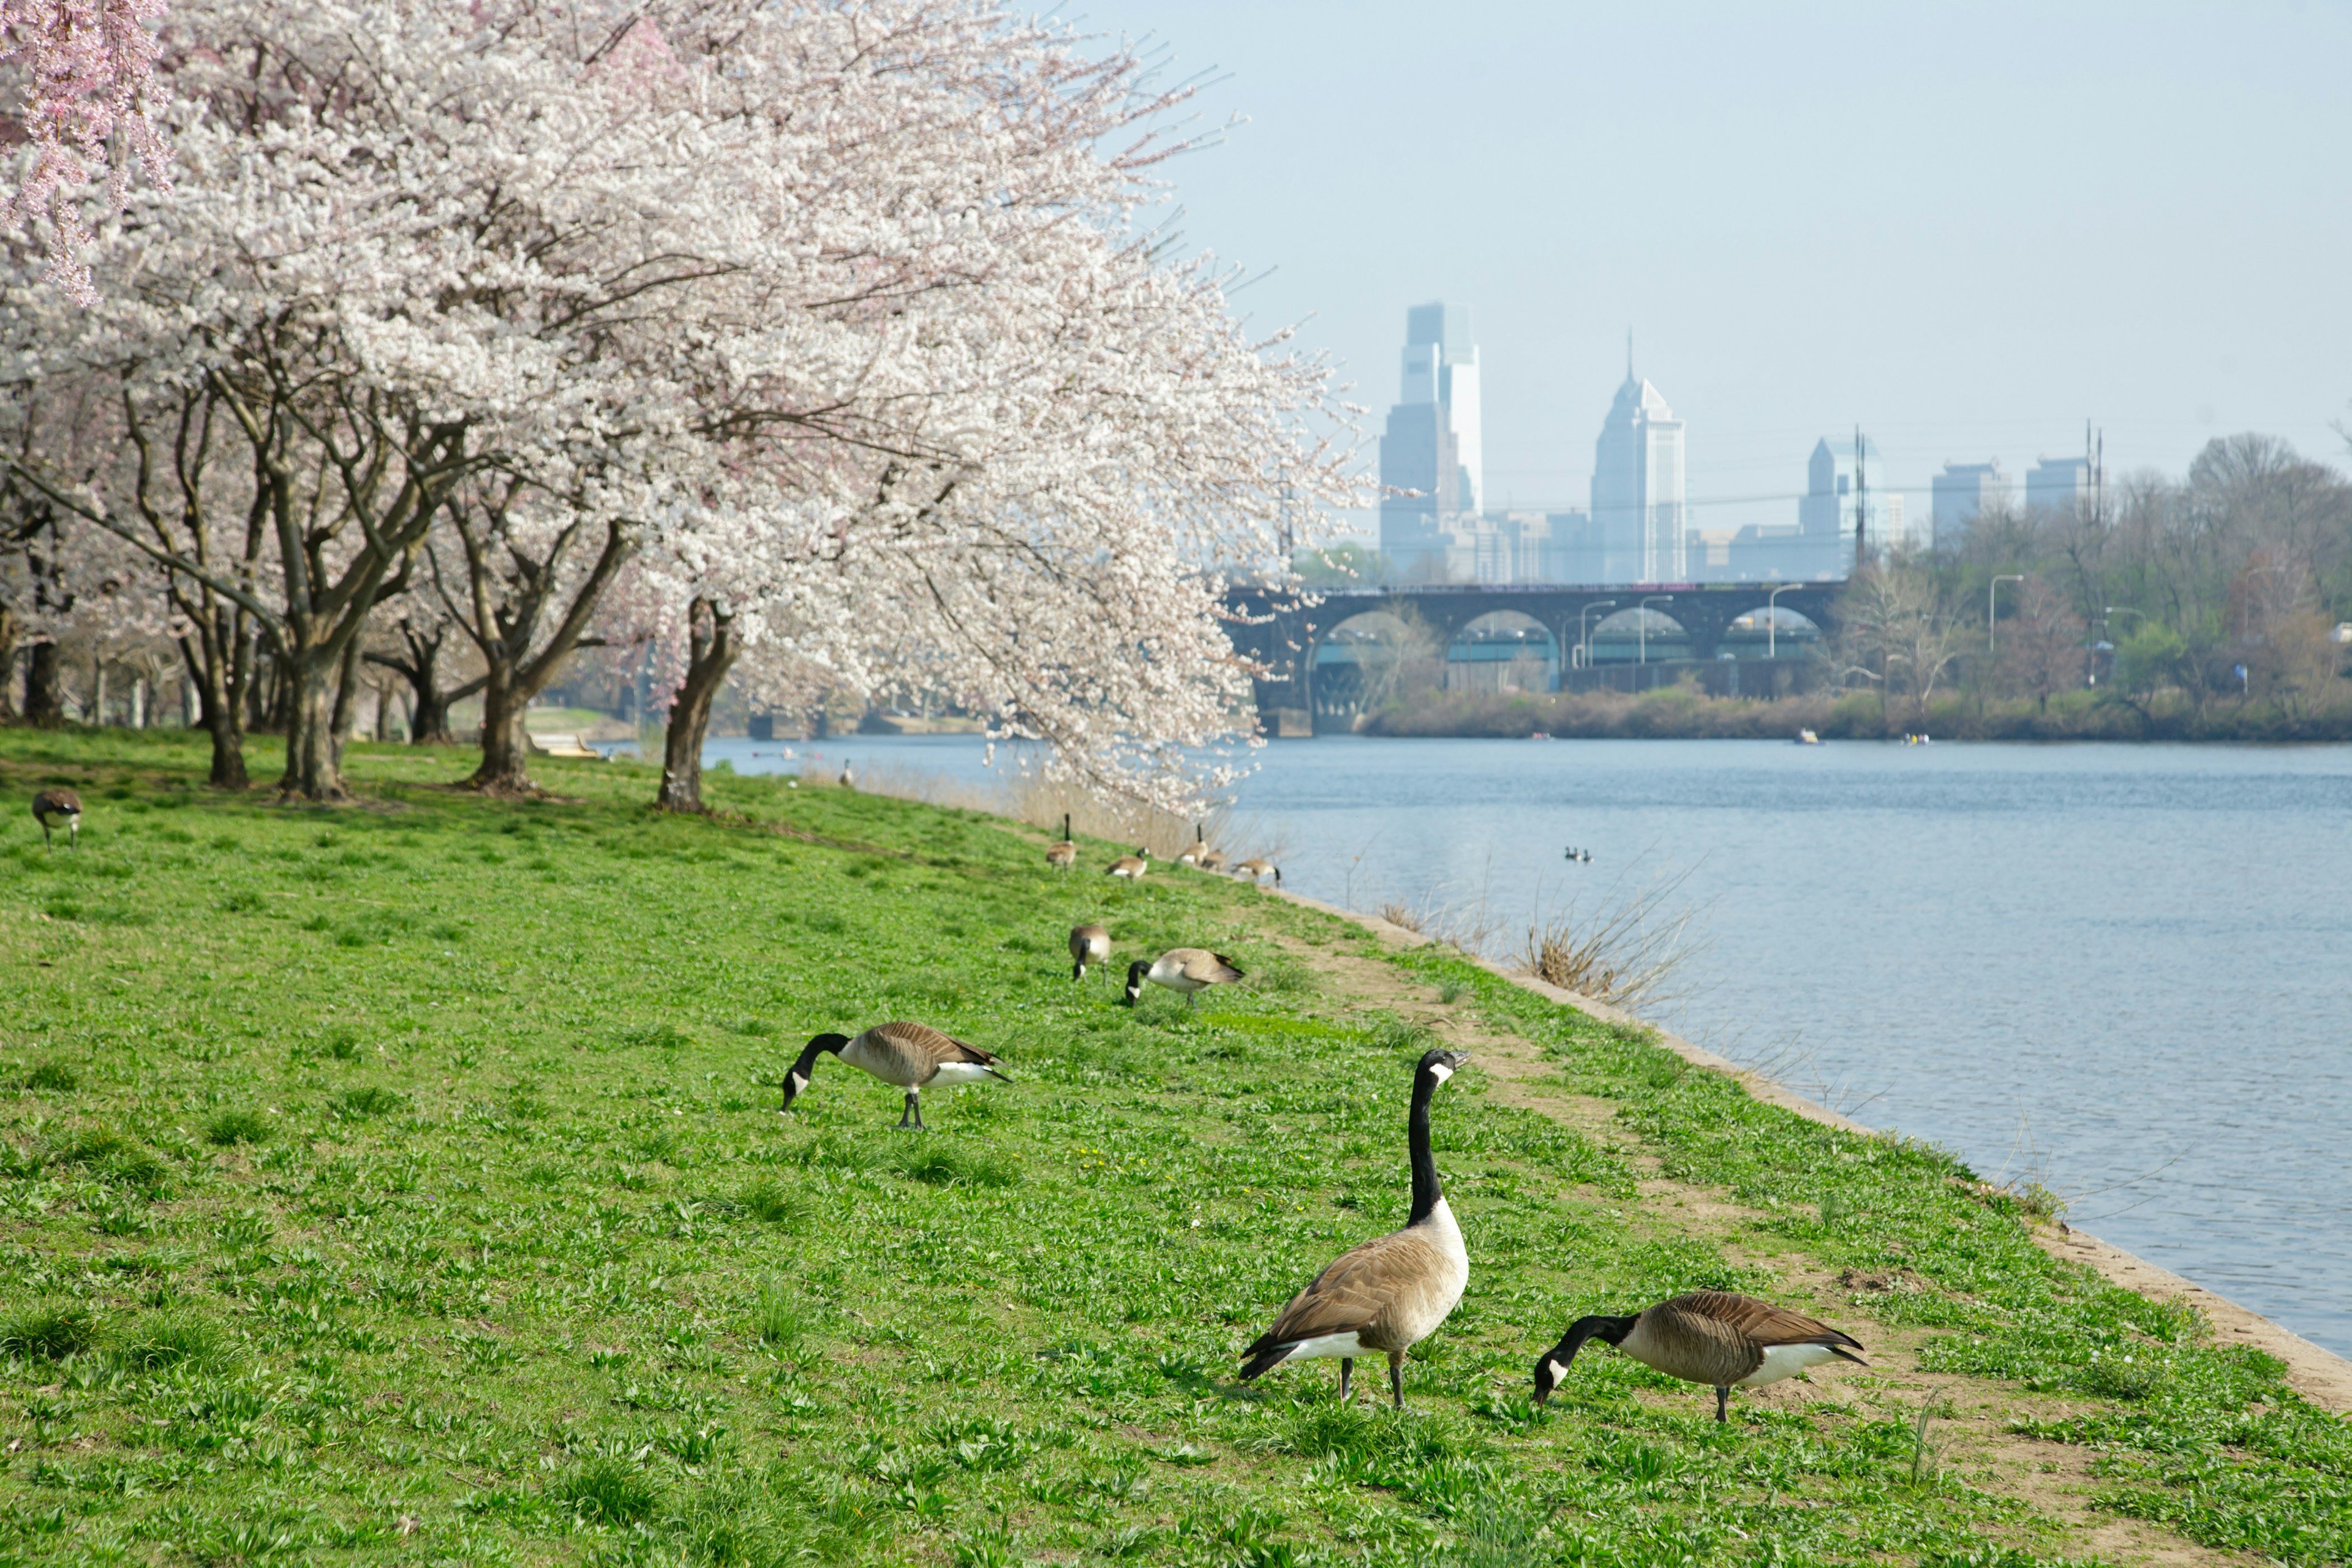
[86,72]
[967,413]
[410,250]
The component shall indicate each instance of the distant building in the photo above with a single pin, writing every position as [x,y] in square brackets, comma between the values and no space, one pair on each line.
[2054,484]
[1961,494]
[1576,554]
[1434,445]
[1638,500]
[1843,488]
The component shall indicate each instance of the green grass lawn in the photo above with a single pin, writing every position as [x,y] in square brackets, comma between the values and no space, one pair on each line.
[405,1181]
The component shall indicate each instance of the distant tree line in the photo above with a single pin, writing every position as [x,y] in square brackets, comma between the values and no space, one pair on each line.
[2176,599]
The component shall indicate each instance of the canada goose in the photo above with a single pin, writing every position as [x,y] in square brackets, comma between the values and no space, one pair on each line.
[1089,944]
[1212,861]
[1195,852]
[1063,854]
[59,802]
[1186,969]
[1709,1337]
[848,776]
[1131,867]
[908,1054]
[1255,868]
[1390,1293]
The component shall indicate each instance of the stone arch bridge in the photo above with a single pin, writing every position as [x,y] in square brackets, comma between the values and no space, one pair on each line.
[1328,660]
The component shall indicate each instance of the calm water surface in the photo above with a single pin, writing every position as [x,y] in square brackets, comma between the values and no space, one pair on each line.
[2123,970]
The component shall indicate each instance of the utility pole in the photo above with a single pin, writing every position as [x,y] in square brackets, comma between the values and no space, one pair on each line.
[1861,506]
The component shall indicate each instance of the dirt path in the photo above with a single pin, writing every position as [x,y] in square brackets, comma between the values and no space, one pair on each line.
[1970,1435]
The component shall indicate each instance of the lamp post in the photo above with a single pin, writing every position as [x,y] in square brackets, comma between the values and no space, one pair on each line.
[1772,620]
[1992,590]
[1584,637]
[1642,622]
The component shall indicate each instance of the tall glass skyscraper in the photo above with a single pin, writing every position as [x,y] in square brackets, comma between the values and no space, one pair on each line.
[1432,444]
[1638,507]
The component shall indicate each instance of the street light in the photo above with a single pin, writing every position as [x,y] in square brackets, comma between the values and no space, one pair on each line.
[1772,620]
[1583,637]
[1642,623]
[1992,590]
[2122,610]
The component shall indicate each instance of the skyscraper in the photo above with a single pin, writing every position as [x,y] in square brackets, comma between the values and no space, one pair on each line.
[1827,511]
[1638,506]
[2054,484]
[1433,445]
[1960,494]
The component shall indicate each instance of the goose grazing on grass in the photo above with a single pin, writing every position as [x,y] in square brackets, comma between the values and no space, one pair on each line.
[1391,1293]
[1063,854]
[1131,867]
[60,803]
[1255,868]
[1212,861]
[1710,1337]
[908,1054]
[1089,944]
[1190,970]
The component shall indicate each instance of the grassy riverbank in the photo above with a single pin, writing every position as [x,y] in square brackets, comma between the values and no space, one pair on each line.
[1684,713]
[403,1183]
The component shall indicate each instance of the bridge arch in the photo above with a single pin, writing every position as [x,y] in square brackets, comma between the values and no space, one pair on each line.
[1361,662]
[1503,650]
[1641,635]
[1774,632]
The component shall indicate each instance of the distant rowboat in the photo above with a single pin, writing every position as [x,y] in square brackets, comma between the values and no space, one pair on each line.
[1807,738]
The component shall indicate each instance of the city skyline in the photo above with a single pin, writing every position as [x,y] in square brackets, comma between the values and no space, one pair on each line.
[1893,247]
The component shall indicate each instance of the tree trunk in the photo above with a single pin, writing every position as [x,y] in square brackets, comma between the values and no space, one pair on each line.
[428,716]
[506,748]
[311,770]
[220,720]
[45,688]
[712,653]
[346,698]
[9,629]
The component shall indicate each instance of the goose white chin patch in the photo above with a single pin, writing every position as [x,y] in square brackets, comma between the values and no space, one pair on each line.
[1441,1072]
[800,1084]
[1559,1373]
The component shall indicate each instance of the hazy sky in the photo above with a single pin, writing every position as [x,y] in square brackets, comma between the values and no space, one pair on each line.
[1966,227]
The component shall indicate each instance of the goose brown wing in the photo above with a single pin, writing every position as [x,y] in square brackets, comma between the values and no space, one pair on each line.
[1209,968]
[1760,1322]
[924,1044]
[1355,1293]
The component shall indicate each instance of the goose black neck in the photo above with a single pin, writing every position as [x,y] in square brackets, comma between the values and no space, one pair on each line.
[1425,1190]
[806,1064]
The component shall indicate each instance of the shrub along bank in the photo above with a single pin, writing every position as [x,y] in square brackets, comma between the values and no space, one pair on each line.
[403,1183]
[1682,712]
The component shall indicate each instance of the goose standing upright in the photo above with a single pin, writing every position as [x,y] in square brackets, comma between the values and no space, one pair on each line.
[1089,944]
[59,802]
[1063,854]
[911,1056]
[1190,970]
[1710,1337]
[1391,1293]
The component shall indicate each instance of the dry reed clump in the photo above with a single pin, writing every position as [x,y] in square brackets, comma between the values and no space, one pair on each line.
[1401,915]
[1627,955]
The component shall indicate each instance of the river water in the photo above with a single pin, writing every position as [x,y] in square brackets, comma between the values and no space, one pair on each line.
[2124,971]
